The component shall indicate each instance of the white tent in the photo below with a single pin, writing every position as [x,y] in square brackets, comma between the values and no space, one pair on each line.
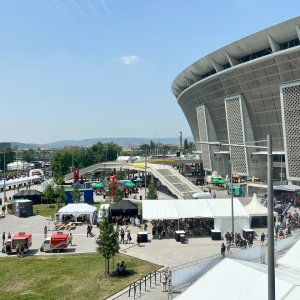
[292,258]
[218,209]
[236,279]
[255,209]
[78,209]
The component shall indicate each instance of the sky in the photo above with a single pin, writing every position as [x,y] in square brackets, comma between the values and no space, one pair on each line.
[79,69]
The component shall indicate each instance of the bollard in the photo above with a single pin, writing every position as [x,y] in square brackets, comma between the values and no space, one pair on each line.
[155,277]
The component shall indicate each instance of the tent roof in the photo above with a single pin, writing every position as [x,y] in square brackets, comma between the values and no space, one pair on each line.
[245,280]
[28,193]
[204,208]
[288,188]
[77,208]
[124,205]
[291,259]
[254,208]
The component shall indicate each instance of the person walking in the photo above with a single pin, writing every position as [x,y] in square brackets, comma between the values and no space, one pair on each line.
[3,238]
[223,249]
[70,239]
[164,280]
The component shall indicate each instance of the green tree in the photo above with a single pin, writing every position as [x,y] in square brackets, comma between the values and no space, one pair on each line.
[186,145]
[28,155]
[119,195]
[107,242]
[76,196]
[49,194]
[121,174]
[145,147]
[10,156]
[152,193]
[60,193]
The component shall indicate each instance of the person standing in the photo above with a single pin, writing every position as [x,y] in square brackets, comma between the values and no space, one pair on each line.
[3,238]
[45,232]
[122,236]
[129,237]
[223,249]
[262,237]
[164,281]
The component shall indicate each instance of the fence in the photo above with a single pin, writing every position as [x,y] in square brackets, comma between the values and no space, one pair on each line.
[137,288]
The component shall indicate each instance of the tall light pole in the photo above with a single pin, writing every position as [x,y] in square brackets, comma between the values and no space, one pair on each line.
[271,260]
[271,264]
[145,174]
[4,179]
[232,209]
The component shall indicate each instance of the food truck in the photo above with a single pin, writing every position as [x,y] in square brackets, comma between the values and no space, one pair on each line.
[56,242]
[24,240]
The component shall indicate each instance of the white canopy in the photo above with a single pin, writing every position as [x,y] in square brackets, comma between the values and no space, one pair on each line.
[255,209]
[218,209]
[292,258]
[77,209]
[235,279]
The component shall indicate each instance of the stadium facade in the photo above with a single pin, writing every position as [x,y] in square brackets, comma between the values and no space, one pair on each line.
[241,93]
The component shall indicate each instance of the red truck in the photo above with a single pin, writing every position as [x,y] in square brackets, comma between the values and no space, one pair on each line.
[56,242]
[24,240]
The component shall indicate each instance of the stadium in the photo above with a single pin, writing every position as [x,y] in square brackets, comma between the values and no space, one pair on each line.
[241,93]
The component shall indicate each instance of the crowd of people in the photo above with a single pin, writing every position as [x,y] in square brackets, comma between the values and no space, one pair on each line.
[192,227]
[123,220]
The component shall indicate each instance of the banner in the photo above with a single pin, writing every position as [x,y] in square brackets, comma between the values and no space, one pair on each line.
[75,175]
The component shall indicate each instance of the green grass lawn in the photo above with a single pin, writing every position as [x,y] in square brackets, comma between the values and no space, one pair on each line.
[45,210]
[78,276]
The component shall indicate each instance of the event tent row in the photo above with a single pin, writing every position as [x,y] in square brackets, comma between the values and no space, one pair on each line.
[218,209]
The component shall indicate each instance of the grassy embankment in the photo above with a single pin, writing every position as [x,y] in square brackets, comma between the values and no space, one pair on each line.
[78,276]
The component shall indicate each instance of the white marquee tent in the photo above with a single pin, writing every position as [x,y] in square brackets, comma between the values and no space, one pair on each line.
[292,258]
[218,209]
[77,209]
[236,279]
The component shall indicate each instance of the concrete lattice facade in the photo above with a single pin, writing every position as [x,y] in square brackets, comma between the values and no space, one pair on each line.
[242,92]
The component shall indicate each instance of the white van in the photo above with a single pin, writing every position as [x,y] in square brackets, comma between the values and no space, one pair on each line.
[104,208]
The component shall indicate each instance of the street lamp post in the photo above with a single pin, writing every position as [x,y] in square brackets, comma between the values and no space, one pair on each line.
[271,261]
[232,210]
[145,174]
[4,179]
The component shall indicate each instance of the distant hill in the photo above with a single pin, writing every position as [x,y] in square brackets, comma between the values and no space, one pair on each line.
[130,141]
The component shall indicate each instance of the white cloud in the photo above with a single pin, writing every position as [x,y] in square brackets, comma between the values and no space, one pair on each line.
[129,59]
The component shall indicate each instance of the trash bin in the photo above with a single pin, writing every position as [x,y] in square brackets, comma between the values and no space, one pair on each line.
[182,238]
[141,197]
[104,196]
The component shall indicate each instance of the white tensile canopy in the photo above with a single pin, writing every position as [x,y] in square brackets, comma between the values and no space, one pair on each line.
[292,258]
[237,279]
[77,209]
[218,209]
[255,209]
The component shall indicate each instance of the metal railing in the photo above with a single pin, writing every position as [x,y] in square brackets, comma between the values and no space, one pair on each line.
[138,287]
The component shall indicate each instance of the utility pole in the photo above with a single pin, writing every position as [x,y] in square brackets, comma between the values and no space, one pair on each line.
[145,174]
